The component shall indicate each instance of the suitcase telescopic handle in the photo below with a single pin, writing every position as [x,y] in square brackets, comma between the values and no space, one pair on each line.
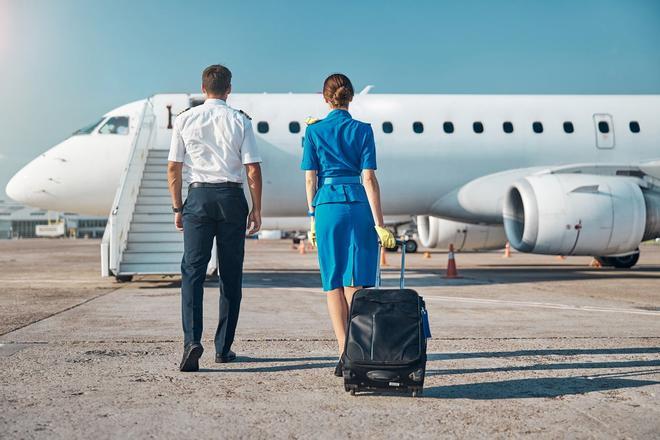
[402,280]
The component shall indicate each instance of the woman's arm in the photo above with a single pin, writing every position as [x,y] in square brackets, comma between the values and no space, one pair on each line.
[370,183]
[310,185]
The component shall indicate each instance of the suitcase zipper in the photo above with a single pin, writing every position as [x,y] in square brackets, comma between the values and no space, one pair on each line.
[373,320]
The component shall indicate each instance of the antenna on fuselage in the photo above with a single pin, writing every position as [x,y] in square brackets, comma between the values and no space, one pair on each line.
[169,116]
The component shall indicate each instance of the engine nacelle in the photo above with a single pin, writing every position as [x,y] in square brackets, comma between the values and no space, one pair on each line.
[436,232]
[578,214]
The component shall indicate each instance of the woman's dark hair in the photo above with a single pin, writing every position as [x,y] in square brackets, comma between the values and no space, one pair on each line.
[338,90]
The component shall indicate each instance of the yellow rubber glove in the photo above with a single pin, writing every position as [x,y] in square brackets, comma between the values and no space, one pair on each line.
[386,238]
[311,235]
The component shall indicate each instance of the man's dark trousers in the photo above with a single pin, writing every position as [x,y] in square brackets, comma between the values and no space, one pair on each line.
[208,213]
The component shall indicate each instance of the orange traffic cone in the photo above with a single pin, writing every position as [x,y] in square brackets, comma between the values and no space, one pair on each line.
[301,247]
[452,272]
[427,255]
[507,250]
[383,259]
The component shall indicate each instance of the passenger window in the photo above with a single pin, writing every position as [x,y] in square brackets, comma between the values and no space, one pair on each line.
[507,127]
[418,127]
[568,127]
[537,127]
[294,127]
[115,125]
[634,126]
[262,127]
[388,127]
[448,127]
[478,127]
[603,127]
[87,129]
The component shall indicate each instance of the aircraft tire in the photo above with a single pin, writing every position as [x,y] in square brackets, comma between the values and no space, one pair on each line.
[124,278]
[411,246]
[624,262]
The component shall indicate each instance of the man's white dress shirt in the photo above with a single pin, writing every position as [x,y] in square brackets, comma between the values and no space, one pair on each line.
[213,141]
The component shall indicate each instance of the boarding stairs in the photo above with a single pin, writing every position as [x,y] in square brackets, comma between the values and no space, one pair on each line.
[140,237]
[153,244]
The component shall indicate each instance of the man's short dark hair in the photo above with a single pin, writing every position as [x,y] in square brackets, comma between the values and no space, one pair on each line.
[216,79]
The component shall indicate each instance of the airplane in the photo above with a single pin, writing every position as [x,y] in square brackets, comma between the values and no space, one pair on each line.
[551,174]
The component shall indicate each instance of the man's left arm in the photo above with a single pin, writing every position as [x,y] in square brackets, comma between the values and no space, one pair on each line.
[253,171]
[251,159]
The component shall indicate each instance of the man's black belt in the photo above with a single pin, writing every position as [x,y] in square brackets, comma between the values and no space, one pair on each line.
[215,185]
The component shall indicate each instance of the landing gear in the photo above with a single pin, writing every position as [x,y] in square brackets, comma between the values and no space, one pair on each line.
[622,262]
[411,247]
[124,278]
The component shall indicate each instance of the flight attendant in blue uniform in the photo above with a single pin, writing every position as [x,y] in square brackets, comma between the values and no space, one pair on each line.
[343,197]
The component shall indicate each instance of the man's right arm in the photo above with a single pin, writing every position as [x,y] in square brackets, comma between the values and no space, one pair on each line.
[175,173]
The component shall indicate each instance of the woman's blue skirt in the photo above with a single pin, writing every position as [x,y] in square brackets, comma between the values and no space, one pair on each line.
[347,244]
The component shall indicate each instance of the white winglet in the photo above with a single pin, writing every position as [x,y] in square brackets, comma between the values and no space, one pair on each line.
[366,90]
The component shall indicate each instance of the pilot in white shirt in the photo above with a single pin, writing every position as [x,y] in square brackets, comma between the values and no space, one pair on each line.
[213,142]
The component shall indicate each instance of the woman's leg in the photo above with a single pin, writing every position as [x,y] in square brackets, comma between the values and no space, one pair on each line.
[348,294]
[338,315]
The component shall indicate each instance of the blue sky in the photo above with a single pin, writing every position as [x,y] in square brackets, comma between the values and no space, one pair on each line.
[65,62]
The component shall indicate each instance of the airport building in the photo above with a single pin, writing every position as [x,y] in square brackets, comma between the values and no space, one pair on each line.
[18,221]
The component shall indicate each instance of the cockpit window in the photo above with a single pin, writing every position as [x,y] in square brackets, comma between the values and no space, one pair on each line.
[87,129]
[115,125]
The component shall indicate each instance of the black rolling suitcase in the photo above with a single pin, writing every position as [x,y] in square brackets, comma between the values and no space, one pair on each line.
[386,340]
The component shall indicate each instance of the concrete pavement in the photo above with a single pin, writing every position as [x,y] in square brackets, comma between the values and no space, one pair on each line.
[527,346]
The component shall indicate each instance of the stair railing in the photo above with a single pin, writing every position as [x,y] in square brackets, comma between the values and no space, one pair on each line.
[116,232]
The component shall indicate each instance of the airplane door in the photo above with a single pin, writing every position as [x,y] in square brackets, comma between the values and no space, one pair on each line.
[604,131]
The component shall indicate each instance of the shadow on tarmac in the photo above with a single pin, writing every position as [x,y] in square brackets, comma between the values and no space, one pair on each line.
[545,367]
[489,274]
[482,275]
[544,352]
[544,387]
[533,388]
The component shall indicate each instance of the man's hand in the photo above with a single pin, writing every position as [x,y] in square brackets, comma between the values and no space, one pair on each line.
[178,221]
[254,222]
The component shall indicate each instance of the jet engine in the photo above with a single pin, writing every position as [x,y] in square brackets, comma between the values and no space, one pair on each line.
[437,232]
[580,214]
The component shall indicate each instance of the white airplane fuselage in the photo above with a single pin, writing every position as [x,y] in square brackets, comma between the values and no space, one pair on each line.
[415,170]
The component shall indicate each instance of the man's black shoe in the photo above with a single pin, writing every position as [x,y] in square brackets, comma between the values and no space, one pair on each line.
[191,354]
[229,357]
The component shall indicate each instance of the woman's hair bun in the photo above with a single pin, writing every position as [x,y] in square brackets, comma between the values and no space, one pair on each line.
[338,90]
[341,96]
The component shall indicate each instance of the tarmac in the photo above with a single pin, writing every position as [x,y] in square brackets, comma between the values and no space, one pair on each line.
[529,346]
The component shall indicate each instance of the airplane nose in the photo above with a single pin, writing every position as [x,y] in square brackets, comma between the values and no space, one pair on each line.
[16,188]
[30,185]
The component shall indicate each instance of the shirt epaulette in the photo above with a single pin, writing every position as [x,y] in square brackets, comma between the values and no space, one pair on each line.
[245,114]
[310,120]
[184,111]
